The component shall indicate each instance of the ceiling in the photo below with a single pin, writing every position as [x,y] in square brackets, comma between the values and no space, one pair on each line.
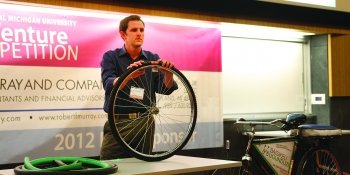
[246,9]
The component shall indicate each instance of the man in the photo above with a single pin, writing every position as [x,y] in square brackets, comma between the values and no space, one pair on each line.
[114,63]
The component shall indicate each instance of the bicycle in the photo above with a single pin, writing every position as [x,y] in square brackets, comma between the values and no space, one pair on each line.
[150,120]
[302,150]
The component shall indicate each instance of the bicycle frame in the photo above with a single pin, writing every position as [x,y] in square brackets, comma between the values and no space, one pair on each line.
[288,154]
[274,155]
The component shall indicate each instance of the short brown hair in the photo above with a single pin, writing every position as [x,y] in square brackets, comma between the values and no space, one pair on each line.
[123,25]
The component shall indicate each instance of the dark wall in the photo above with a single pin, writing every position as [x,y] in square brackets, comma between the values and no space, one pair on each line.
[336,111]
[319,76]
[340,117]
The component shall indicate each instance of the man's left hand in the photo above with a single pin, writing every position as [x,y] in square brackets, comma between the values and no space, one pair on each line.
[168,76]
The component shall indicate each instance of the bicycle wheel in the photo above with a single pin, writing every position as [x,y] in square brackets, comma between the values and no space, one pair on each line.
[150,120]
[319,161]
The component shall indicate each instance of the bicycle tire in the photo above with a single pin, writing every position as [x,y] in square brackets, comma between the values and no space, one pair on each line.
[319,161]
[162,114]
[66,166]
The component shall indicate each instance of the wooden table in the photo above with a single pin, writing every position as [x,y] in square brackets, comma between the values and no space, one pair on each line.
[174,165]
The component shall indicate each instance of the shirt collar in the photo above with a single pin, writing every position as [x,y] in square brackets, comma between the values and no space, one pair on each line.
[123,52]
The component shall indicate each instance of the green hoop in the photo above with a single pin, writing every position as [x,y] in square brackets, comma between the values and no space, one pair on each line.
[66,165]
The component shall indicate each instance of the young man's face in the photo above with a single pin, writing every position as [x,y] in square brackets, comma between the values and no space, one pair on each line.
[134,34]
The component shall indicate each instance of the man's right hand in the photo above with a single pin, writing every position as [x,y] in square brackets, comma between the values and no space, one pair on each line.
[134,74]
[135,64]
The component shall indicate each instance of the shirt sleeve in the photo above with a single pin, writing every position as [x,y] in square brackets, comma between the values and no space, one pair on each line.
[108,71]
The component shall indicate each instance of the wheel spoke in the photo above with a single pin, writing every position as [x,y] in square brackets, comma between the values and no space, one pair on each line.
[320,161]
[164,117]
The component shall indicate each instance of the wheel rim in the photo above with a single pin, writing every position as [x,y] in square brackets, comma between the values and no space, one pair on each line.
[166,121]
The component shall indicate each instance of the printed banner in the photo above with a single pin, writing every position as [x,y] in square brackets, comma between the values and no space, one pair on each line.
[278,155]
[51,91]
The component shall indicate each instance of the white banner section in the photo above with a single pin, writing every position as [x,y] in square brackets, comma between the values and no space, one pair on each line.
[50,97]
[50,111]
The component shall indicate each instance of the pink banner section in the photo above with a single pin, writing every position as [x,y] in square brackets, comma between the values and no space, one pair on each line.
[190,48]
[45,39]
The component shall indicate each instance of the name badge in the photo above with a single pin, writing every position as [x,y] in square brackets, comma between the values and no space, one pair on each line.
[136,93]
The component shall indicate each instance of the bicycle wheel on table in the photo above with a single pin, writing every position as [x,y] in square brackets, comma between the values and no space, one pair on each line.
[150,120]
[319,161]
